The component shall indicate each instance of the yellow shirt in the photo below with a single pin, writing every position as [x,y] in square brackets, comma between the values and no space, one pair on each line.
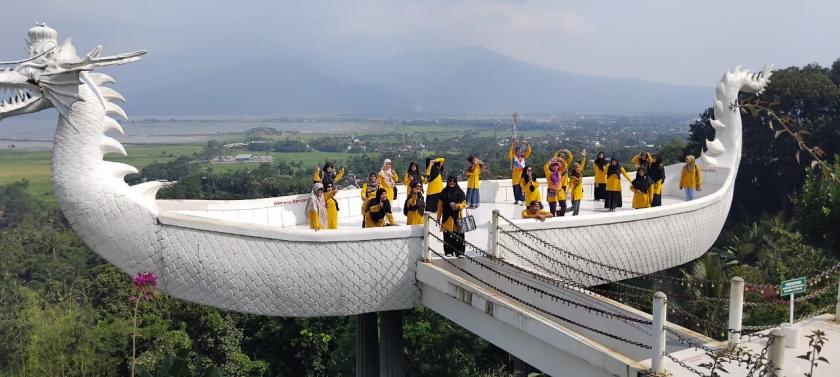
[689,180]
[600,174]
[369,223]
[516,175]
[435,183]
[614,181]
[449,225]
[576,183]
[383,183]
[531,191]
[641,199]
[473,176]
[314,221]
[407,181]
[414,217]
[527,215]
[332,213]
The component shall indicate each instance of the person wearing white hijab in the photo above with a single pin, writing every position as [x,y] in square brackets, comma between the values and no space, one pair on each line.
[388,179]
[316,207]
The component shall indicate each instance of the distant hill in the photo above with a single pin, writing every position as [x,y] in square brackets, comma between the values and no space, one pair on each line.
[463,80]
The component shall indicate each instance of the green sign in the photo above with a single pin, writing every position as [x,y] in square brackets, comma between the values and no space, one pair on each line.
[793,286]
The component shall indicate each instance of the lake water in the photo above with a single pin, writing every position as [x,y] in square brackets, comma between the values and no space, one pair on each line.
[37,132]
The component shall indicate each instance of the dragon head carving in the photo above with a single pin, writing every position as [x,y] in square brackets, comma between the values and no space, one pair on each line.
[52,74]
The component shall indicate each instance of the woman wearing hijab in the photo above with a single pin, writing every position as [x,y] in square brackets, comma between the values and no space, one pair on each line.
[600,167]
[369,191]
[414,206]
[473,179]
[533,211]
[332,206]
[413,175]
[452,202]
[614,173]
[388,179]
[641,160]
[434,175]
[327,175]
[316,207]
[690,179]
[530,185]
[576,183]
[517,157]
[657,176]
[641,187]
[554,180]
[378,209]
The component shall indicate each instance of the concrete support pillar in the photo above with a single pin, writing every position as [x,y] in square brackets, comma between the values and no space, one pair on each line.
[521,368]
[391,358]
[736,309]
[493,235]
[776,353]
[660,309]
[837,308]
[367,346]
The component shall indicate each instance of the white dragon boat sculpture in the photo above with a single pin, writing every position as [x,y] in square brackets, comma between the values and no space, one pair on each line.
[249,256]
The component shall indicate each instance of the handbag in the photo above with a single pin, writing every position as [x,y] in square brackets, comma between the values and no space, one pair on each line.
[466,223]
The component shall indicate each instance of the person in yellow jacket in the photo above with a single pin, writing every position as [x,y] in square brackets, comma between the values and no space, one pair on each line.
[449,210]
[369,190]
[553,170]
[614,173]
[473,179]
[316,207]
[530,185]
[642,160]
[576,183]
[413,175]
[332,206]
[690,179]
[414,206]
[434,175]
[327,175]
[600,166]
[641,187]
[533,211]
[388,179]
[378,210]
[517,157]
[656,172]
[567,158]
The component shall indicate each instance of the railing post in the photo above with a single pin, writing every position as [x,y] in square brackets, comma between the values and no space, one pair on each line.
[427,228]
[736,309]
[776,353]
[660,309]
[493,235]
[837,308]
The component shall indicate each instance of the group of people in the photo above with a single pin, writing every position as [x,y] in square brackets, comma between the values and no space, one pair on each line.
[564,183]
[447,200]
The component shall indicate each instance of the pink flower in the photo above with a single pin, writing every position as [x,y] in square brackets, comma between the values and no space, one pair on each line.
[145,284]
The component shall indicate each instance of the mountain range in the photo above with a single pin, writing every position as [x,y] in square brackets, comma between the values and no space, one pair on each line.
[448,81]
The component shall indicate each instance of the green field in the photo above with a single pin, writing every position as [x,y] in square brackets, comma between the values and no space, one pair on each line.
[34,166]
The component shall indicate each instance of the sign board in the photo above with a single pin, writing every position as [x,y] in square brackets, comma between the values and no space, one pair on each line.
[793,286]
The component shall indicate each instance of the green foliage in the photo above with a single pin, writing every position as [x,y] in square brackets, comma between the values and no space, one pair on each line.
[817,210]
[816,341]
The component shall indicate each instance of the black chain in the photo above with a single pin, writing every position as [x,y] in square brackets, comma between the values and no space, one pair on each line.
[759,362]
[684,365]
[540,291]
[546,311]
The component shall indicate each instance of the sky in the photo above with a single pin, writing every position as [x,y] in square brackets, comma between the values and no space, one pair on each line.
[677,42]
